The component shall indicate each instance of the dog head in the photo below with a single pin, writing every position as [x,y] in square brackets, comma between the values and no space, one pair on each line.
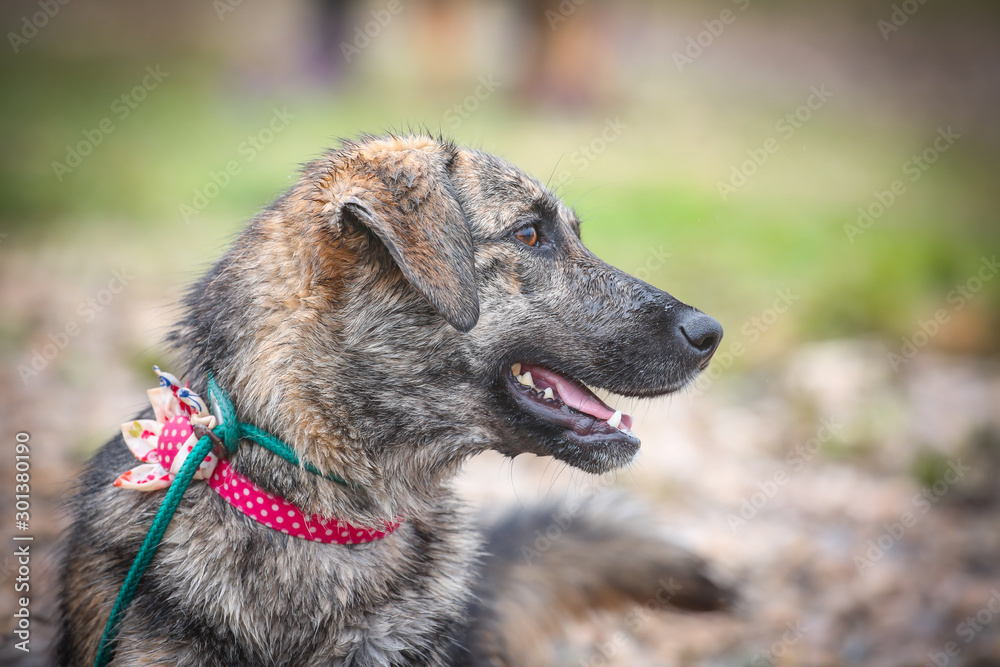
[534,316]
[555,319]
[419,302]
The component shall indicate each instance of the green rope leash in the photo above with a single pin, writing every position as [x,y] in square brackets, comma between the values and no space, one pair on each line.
[230,431]
[105,650]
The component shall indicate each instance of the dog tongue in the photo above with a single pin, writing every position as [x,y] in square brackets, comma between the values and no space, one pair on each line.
[575,396]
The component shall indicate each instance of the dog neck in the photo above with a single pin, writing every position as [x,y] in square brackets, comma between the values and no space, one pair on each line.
[268,320]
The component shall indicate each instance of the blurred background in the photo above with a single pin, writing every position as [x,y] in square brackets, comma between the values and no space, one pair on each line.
[821,177]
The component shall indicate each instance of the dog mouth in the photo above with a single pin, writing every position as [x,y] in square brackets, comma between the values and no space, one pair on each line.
[567,403]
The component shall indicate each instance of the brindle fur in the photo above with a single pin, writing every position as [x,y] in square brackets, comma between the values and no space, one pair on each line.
[367,318]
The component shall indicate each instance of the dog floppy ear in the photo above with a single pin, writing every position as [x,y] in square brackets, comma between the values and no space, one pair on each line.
[402,192]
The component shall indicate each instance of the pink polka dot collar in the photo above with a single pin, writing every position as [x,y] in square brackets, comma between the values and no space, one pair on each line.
[162,444]
[277,513]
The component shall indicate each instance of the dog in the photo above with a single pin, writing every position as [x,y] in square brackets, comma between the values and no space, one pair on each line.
[406,305]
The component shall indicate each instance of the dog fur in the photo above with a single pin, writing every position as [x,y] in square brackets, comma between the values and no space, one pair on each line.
[369,318]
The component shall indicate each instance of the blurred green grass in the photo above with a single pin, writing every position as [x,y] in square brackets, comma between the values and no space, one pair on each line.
[653,192]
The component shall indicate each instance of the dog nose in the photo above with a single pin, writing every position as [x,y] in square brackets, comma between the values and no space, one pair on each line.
[702,332]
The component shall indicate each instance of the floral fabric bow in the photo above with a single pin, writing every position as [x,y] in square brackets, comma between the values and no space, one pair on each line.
[163,444]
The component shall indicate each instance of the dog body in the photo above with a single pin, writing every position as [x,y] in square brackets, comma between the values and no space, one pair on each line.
[371,318]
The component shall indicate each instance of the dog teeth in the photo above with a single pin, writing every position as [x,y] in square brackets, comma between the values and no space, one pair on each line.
[516,369]
[624,429]
[527,380]
[548,393]
[616,419]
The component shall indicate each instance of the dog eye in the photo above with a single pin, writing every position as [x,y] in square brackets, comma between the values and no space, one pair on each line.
[527,235]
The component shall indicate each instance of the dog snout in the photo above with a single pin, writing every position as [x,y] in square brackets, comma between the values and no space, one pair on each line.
[700,333]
